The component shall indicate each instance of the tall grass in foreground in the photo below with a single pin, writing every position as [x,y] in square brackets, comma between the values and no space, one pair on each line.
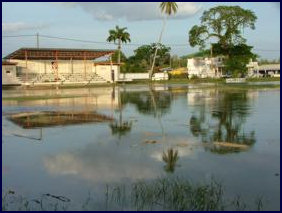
[161,194]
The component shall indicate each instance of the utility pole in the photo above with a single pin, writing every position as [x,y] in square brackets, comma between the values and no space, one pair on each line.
[37,40]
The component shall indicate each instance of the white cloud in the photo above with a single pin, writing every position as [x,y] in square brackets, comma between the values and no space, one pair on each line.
[21,26]
[132,11]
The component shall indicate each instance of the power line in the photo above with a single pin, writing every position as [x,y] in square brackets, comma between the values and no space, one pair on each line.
[107,43]
[15,36]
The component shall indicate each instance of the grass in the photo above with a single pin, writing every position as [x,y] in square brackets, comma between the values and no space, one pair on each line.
[160,194]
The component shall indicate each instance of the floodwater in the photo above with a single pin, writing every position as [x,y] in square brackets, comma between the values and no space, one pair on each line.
[184,131]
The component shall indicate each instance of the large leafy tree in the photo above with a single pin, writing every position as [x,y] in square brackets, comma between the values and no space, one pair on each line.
[225,25]
[119,36]
[141,61]
[168,8]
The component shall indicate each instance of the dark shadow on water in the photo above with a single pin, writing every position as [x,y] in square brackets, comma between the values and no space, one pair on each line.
[41,119]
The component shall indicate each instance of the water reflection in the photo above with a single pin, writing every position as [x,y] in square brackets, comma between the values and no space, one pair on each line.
[150,102]
[170,157]
[100,163]
[221,120]
[120,127]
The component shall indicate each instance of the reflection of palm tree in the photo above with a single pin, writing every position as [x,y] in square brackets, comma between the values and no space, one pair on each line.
[170,158]
[120,128]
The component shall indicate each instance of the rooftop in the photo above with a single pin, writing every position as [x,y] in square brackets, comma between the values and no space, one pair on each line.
[8,63]
[59,53]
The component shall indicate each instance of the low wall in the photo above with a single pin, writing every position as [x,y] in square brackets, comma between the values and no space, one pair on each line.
[143,76]
[235,80]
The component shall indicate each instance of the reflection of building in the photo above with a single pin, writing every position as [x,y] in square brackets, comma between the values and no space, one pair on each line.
[92,98]
[205,67]
[62,66]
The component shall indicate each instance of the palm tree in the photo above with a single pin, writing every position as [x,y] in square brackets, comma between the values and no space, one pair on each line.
[168,8]
[119,35]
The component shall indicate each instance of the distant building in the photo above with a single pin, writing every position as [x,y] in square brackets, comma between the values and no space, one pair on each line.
[205,67]
[265,70]
[252,66]
[212,68]
[61,66]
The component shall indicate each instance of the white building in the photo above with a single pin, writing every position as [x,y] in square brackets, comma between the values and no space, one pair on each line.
[62,66]
[205,67]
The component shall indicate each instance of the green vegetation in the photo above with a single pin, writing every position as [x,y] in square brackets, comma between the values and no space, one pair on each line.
[141,61]
[226,24]
[160,194]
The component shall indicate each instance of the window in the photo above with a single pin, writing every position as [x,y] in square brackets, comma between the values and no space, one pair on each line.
[8,71]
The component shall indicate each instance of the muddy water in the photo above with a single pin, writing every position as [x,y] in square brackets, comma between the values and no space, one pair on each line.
[162,131]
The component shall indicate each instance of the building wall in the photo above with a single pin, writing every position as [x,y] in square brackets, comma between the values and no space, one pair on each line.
[105,72]
[144,76]
[66,66]
[9,75]
[45,66]
[204,67]
[134,76]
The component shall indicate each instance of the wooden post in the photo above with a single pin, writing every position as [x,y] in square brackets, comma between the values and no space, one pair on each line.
[25,53]
[84,62]
[111,66]
[57,67]
[71,66]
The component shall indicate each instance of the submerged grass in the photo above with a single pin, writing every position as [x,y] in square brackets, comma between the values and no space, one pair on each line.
[161,194]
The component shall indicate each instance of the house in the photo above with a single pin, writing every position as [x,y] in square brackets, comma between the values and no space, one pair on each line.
[35,66]
[252,66]
[266,70]
[213,67]
[205,67]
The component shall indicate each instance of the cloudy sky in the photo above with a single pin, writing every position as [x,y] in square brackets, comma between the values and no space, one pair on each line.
[92,21]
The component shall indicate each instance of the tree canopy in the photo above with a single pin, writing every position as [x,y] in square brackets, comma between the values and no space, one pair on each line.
[225,25]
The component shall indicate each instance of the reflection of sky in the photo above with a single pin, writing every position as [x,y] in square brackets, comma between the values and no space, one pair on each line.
[101,164]
[78,157]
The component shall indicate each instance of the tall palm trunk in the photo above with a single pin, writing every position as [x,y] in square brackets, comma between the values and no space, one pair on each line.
[156,51]
[119,48]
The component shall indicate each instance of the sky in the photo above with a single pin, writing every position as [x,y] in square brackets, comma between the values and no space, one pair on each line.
[91,21]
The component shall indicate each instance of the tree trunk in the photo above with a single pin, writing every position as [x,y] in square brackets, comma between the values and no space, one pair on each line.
[119,47]
[156,51]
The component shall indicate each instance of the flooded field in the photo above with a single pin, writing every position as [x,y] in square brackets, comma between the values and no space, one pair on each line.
[154,134]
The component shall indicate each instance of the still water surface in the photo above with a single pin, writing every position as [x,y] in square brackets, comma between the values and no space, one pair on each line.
[230,135]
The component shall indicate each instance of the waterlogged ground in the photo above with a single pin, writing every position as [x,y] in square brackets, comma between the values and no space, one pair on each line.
[196,133]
